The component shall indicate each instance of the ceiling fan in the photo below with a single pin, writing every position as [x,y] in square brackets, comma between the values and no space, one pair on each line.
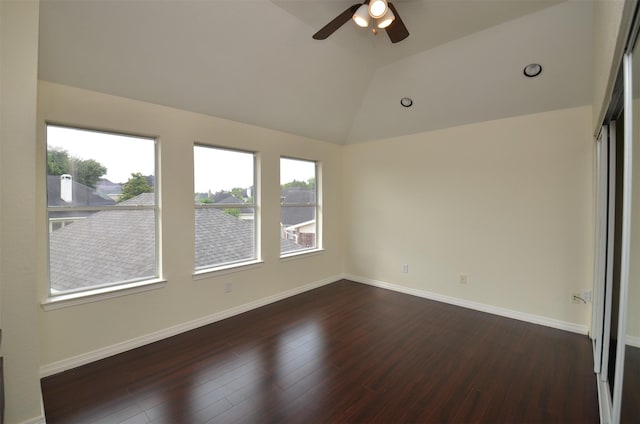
[384,15]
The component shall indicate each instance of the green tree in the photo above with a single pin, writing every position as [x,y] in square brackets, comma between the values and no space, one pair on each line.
[84,171]
[232,211]
[58,162]
[239,193]
[89,172]
[310,184]
[136,185]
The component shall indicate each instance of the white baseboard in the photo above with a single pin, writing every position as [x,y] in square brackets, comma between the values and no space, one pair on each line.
[521,316]
[633,341]
[36,420]
[105,352]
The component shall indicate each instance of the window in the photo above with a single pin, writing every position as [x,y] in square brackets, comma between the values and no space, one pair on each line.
[298,205]
[102,209]
[225,207]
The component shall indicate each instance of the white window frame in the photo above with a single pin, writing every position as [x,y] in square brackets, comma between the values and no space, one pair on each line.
[105,291]
[316,204]
[224,267]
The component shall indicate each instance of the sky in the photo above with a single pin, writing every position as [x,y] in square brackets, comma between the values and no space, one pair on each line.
[220,169]
[122,155]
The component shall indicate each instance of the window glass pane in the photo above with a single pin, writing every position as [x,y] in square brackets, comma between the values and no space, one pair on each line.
[222,176]
[90,175]
[224,234]
[298,228]
[297,181]
[102,248]
[90,168]
[298,223]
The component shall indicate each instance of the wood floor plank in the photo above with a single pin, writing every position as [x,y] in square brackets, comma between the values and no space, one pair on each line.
[630,411]
[345,352]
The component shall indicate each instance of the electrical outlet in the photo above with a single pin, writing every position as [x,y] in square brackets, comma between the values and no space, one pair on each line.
[405,268]
[577,298]
[228,287]
[463,278]
[582,297]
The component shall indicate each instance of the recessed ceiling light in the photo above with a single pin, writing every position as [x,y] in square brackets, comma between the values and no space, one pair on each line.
[406,102]
[532,70]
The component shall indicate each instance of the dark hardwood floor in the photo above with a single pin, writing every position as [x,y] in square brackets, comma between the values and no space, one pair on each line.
[345,352]
[630,412]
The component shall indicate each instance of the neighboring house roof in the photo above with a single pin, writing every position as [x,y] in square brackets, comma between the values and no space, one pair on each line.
[144,199]
[224,197]
[106,187]
[302,224]
[288,245]
[296,214]
[224,238]
[121,245]
[105,247]
[298,195]
[221,237]
[81,194]
[219,197]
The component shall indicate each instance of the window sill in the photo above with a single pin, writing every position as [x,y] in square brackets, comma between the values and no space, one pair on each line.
[300,254]
[226,269]
[96,295]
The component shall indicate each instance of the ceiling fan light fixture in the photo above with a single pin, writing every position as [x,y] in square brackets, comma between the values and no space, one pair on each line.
[377,8]
[361,17]
[386,20]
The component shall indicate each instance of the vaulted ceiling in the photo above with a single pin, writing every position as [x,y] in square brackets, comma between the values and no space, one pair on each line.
[254,61]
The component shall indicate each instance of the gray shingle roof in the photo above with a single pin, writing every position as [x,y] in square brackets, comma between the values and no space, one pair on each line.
[103,248]
[296,214]
[224,197]
[144,199]
[114,246]
[222,238]
[81,194]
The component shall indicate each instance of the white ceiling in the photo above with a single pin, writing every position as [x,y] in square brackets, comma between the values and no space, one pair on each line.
[254,61]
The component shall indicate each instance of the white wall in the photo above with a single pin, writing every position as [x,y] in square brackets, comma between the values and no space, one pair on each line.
[18,307]
[507,202]
[78,330]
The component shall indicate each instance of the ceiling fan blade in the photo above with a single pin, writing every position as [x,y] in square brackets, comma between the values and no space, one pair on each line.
[336,23]
[397,31]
